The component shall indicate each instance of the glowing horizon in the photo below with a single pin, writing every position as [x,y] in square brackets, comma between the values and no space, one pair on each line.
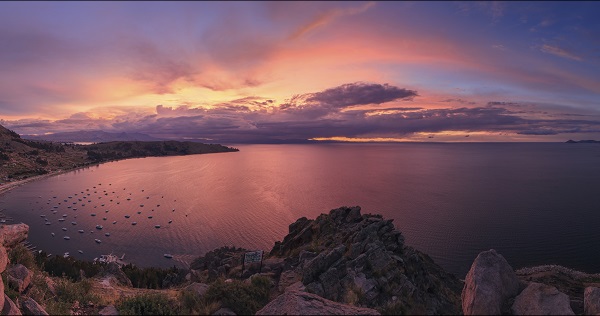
[291,71]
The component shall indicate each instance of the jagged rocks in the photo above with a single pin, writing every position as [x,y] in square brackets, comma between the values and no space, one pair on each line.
[19,277]
[31,307]
[489,283]
[302,303]
[591,300]
[541,299]
[114,270]
[9,307]
[11,235]
[348,257]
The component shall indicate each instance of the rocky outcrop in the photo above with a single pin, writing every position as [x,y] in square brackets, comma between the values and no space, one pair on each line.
[108,311]
[114,270]
[489,283]
[541,299]
[591,300]
[9,307]
[31,307]
[199,289]
[224,311]
[347,257]
[11,235]
[19,277]
[302,303]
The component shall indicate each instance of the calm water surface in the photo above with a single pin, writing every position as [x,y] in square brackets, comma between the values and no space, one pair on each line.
[534,203]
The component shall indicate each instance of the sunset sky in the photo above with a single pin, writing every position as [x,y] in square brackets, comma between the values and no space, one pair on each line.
[236,72]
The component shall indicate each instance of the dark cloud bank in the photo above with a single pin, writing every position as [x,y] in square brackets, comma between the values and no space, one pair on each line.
[328,113]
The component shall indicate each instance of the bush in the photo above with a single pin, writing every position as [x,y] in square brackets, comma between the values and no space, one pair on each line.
[67,293]
[240,297]
[154,278]
[147,304]
[20,254]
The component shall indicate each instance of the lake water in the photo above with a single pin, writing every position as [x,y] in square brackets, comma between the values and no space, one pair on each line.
[534,203]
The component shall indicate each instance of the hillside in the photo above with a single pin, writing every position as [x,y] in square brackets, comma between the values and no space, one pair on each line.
[21,158]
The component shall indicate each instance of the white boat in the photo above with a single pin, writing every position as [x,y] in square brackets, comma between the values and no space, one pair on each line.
[98,226]
[156,226]
[127,216]
[66,238]
[48,223]
[114,222]
[170,221]
[53,235]
[66,255]
[134,223]
[80,251]
[107,234]
[93,214]
[61,219]
[73,223]
[81,231]
[64,229]
[98,241]
[168,255]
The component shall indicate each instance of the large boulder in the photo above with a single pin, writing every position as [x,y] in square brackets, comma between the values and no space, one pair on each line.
[490,282]
[11,235]
[541,299]
[108,311]
[9,307]
[19,277]
[199,289]
[591,300]
[31,307]
[302,303]
[3,259]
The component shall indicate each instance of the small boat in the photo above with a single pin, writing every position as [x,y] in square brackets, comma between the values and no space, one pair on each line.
[93,214]
[42,215]
[98,226]
[81,231]
[48,223]
[53,235]
[156,226]
[127,216]
[64,215]
[73,223]
[106,211]
[104,218]
[149,216]
[134,223]
[98,241]
[139,212]
[66,238]
[168,255]
[75,209]
[141,205]
[64,229]
[61,219]
[107,234]
[114,222]
[66,255]
[170,221]
[80,251]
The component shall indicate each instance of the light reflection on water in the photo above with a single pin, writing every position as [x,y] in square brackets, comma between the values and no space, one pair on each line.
[534,203]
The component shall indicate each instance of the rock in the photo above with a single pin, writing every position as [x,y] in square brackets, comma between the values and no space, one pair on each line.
[108,310]
[591,301]
[287,278]
[541,299]
[489,283]
[19,277]
[114,270]
[224,311]
[3,259]
[321,263]
[2,295]
[197,288]
[302,303]
[9,307]
[298,286]
[11,235]
[31,307]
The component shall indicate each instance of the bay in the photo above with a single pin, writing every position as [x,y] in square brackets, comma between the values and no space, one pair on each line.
[535,203]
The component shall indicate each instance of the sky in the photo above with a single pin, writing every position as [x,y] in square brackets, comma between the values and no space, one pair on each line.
[269,72]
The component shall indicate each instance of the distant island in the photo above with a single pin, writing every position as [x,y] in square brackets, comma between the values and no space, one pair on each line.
[23,159]
[587,141]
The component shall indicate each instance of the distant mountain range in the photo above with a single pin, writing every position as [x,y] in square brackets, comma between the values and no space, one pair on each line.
[92,137]
[587,141]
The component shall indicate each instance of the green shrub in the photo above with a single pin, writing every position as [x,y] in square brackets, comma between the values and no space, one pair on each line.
[147,304]
[20,254]
[240,297]
[67,293]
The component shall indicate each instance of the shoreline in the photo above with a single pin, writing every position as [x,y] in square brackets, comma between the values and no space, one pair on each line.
[8,186]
